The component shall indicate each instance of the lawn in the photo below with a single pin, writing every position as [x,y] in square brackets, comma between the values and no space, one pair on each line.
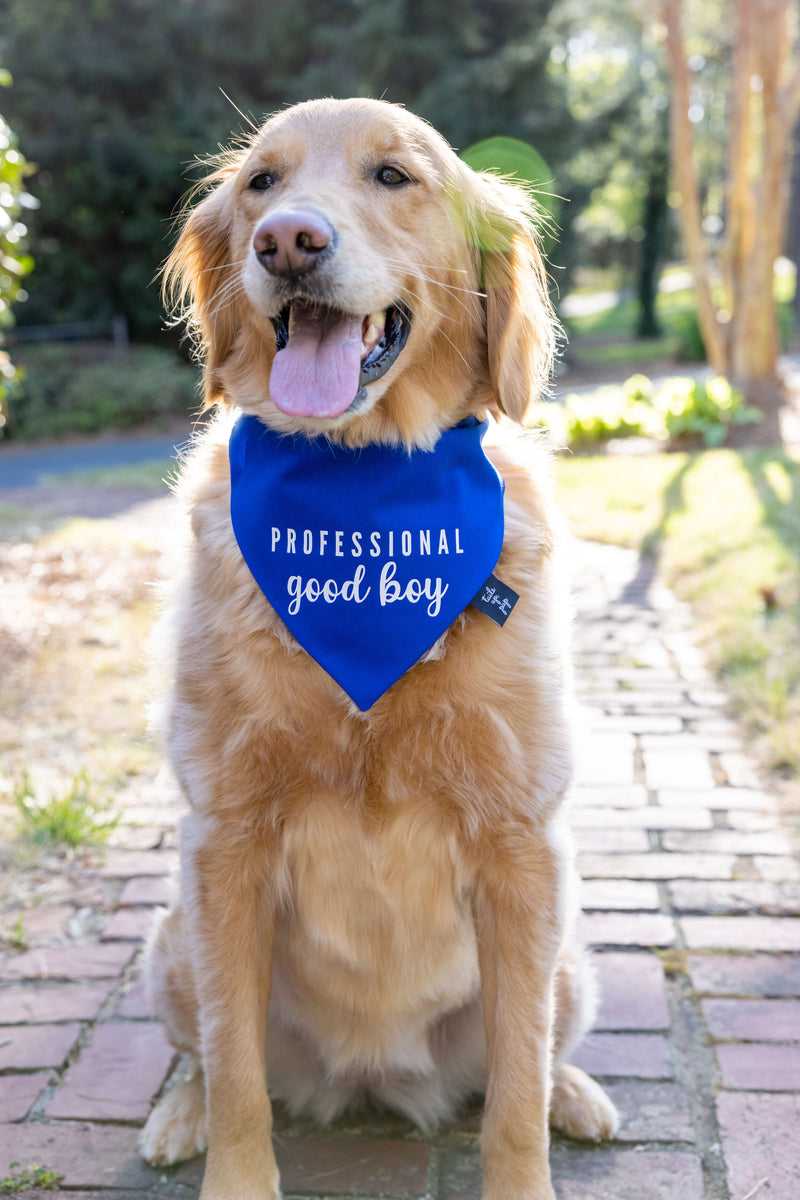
[725,528]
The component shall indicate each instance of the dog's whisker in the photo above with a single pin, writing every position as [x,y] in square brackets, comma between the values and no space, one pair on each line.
[228,266]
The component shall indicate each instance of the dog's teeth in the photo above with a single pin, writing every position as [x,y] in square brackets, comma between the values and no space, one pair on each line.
[376,323]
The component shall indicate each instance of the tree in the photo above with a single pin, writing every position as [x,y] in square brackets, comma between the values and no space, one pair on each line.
[740,330]
[116,97]
[14,262]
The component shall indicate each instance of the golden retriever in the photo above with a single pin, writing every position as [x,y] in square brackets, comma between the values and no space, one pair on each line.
[375,904]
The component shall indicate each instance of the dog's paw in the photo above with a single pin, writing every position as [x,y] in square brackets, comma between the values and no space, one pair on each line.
[580,1108]
[176,1128]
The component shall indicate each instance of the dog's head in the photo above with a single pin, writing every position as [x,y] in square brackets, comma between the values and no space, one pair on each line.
[346,273]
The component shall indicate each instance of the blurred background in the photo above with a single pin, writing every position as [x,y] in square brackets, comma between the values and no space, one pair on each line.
[107,105]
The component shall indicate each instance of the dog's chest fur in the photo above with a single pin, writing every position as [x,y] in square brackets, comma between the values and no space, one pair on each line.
[367,820]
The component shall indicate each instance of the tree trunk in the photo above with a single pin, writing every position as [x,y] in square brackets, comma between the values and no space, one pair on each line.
[652,246]
[763,122]
[685,177]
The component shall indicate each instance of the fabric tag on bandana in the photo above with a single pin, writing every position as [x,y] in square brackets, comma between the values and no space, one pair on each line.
[366,555]
[496,600]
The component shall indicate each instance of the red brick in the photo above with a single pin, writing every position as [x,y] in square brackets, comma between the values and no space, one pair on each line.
[121,864]
[46,919]
[628,894]
[656,866]
[740,769]
[736,897]
[618,840]
[147,889]
[610,797]
[136,1005]
[649,816]
[727,841]
[627,1175]
[753,975]
[718,798]
[632,992]
[642,724]
[591,1175]
[353,1167]
[778,869]
[88,1156]
[18,1092]
[678,768]
[754,1020]
[67,962]
[130,924]
[638,1055]
[652,1112]
[602,764]
[116,1075]
[25,1046]
[626,929]
[742,933]
[754,821]
[63,1002]
[759,1142]
[758,1066]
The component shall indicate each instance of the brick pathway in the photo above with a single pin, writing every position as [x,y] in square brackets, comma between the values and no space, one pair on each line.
[691,896]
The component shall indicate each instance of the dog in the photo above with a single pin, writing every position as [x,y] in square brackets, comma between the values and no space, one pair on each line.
[377,883]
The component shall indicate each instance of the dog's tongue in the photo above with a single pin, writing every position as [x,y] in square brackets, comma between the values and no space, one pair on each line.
[316,374]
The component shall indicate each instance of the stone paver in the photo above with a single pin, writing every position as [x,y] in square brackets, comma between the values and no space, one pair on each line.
[137,1053]
[691,899]
[759,1138]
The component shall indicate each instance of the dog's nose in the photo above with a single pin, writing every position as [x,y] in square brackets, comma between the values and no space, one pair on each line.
[291,242]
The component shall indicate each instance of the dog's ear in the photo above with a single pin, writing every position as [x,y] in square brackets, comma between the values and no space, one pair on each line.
[198,280]
[500,220]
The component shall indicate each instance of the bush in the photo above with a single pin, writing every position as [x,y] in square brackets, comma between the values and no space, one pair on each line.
[677,408]
[76,388]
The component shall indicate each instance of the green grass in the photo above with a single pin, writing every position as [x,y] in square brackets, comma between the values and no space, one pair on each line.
[72,819]
[29,1179]
[151,476]
[725,527]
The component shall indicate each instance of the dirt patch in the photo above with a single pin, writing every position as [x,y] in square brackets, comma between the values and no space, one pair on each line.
[80,593]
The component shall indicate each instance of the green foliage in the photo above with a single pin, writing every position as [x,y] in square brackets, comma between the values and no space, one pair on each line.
[73,819]
[29,1179]
[115,97]
[79,389]
[14,262]
[15,934]
[702,407]
[676,408]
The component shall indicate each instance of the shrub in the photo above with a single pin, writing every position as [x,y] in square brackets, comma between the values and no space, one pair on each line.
[704,407]
[674,409]
[73,388]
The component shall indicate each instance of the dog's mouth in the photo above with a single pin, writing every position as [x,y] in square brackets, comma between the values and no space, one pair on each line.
[327,357]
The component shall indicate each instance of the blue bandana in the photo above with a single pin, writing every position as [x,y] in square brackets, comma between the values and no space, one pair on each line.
[366,555]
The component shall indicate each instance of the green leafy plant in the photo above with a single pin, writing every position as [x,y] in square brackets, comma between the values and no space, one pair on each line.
[15,935]
[704,407]
[73,819]
[28,1179]
[671,411]
[14,262]
[83,389]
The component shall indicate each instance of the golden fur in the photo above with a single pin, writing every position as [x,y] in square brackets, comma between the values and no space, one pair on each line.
[376,904]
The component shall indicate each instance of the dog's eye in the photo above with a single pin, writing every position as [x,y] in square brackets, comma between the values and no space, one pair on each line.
[391,176]
[262,182]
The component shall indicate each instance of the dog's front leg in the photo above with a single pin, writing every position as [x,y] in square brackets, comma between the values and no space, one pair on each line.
[519,919]
[232,929]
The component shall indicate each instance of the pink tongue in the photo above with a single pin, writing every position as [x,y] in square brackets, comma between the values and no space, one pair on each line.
[316,374]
